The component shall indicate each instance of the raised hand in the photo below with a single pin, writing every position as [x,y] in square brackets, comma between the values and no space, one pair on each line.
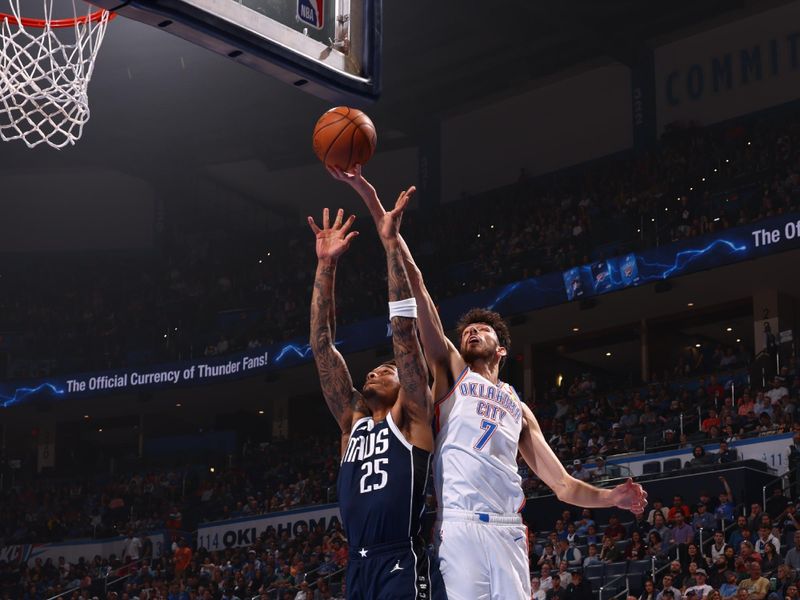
[630,496]
[387,223]
[333,240]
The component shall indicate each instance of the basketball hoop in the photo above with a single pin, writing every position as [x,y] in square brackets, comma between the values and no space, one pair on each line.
[44,77]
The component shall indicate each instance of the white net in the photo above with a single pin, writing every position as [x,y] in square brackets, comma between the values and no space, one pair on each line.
[45,67]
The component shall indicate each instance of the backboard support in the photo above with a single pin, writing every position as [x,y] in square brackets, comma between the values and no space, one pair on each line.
[329,48]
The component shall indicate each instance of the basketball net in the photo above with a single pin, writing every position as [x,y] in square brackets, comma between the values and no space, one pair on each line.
[44,77]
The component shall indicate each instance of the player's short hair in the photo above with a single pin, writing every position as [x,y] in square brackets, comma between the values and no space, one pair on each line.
[389,363]
[493,320]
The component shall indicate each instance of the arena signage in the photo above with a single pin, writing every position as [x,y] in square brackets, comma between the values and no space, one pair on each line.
[73,551]
[689,256]
[235,533]
[735,69]
[200,371]
[768,236]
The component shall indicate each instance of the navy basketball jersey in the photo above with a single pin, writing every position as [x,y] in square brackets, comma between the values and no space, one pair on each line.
[381,484]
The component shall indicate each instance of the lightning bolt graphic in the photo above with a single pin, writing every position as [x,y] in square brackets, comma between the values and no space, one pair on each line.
[21,393]
[683,258]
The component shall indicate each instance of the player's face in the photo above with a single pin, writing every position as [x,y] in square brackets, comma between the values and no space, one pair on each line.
[383,382]
[479,341]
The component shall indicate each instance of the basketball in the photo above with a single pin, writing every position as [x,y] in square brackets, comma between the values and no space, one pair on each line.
[344,137]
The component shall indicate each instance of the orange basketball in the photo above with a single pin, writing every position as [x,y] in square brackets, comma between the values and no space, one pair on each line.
[344,137]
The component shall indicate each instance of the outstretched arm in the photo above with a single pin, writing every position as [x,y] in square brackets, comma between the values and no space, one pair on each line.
[439,350]
[344,402]
[541,458]
[415,396]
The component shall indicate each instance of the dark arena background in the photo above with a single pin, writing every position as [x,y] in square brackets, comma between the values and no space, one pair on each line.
[619,180]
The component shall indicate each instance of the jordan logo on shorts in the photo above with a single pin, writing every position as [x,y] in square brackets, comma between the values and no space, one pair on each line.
[397,567]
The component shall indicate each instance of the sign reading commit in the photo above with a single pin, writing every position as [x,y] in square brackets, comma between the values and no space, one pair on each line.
[245,532]
[731,70]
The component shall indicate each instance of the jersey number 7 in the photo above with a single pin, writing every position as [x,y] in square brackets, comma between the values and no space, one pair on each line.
[489,428]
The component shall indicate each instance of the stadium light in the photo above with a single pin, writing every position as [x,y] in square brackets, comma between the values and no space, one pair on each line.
[729,329]
[697,345]
[608,353]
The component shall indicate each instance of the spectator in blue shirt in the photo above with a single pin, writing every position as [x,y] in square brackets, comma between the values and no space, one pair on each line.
[741,534]
[582,526]
[703,519]
[681,533]
[728,589]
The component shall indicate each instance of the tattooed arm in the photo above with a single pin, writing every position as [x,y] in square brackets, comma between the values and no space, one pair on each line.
[414,407]
[344,402]
[415,393]
[443,358]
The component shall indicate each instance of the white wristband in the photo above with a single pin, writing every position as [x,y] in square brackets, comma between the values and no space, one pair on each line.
[403,308]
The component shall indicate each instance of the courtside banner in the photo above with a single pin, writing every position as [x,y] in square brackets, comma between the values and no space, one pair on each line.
[732,245]
[74,551]
[245,531]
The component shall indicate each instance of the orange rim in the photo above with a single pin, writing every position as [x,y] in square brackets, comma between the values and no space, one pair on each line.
[58,23]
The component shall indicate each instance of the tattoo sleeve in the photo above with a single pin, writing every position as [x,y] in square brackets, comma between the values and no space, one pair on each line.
[334,378]
[407,351]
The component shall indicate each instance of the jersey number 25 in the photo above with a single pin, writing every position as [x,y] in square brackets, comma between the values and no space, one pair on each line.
[370,468]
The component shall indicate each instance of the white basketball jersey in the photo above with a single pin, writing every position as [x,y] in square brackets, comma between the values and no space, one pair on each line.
[478,425]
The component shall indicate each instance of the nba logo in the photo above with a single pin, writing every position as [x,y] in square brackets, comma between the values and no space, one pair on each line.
[311,12]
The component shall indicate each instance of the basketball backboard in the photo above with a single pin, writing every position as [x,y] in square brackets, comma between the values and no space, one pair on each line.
[330,48]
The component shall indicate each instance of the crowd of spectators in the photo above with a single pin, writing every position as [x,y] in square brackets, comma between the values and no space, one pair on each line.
[269,478]
[307,566]
[709,547]
[210,290]
[585,423]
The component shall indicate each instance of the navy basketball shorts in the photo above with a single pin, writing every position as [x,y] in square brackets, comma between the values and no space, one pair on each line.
[394,571]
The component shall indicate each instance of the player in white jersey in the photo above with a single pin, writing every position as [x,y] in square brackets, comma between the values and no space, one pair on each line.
[482,424]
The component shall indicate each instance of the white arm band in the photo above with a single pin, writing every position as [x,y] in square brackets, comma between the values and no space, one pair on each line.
[403,308]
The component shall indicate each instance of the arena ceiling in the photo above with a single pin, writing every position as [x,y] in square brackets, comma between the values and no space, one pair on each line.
[162,106]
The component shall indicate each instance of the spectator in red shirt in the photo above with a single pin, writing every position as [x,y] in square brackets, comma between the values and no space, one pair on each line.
[711,421]
[615,530]
[678,505]
[183,558]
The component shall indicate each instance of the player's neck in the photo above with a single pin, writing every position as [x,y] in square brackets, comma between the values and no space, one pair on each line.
[378,410]
[490,371]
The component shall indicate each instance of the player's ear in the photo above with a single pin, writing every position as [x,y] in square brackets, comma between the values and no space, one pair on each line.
[501,351]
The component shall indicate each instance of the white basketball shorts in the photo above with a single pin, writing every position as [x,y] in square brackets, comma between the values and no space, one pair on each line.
[483,556]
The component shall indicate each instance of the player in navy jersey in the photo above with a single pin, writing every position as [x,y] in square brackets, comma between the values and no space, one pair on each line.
[387,438]
[483,424]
